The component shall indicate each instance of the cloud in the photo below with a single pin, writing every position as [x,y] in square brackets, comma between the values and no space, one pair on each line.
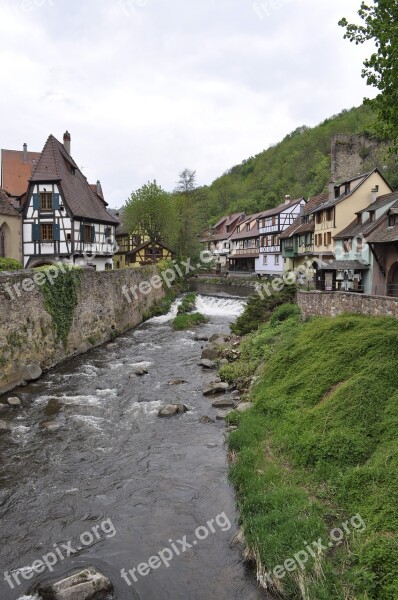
[148,87]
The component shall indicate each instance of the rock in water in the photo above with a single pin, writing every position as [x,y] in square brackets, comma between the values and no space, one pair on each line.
[172,409]
[14,401]
[4,427]
[88,584]
[201,338]
[206,419]
[215,388]
[177,382]
[140,371]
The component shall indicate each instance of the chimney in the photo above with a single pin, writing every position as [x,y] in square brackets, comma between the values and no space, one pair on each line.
[25,153]
[375,191]
[99,188]
[67,142]
[287,199]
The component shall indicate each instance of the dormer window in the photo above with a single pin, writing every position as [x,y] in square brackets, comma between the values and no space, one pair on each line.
[347,188]
[359,219]
[336,191]
[248,227]
[391,220]
[46,201]
[372,216]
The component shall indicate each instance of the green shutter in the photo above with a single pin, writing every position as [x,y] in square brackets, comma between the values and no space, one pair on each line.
[35,201]
[56,232]
[82,232]
[36,232]
[92,233]
[56,201]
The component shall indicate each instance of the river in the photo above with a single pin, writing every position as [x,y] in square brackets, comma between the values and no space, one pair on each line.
[144,481]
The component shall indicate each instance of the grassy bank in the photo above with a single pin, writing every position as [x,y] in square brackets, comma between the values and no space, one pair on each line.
[319,452]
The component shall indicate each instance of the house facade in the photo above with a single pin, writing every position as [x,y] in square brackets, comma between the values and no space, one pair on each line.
[10,229]
[216,239]
[271,224]
[383,244]
[244,246]
[63,217]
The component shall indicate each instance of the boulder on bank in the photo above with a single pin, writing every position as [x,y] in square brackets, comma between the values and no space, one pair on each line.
[244,406]
[220,338]
[50,426]
[210,352]
[31,372]
[224,403]
[88,584]
[215,388]
[207,364]
[172,409]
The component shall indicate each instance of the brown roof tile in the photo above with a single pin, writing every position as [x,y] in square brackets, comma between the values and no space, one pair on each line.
[15,171]
[55,164]
[6,208]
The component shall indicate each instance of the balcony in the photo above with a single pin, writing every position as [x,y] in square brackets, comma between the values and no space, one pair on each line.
[305,249]
[244,252]
[270,249]
[269,229]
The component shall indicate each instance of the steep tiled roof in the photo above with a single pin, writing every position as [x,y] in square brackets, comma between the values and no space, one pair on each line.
[55,164]
[385,233]
[6,207]
[342,265]
[16,172]
[243,233]
[381,201]
[278,209]
[357,181]
[365,228]
[227,221]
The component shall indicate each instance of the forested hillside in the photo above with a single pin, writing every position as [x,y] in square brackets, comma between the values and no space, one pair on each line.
[299,165]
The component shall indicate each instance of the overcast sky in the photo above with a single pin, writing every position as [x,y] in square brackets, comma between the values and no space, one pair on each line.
[149,87]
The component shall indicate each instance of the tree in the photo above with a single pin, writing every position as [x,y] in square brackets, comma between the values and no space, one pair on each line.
[149,211]
[381,69]
[186,209]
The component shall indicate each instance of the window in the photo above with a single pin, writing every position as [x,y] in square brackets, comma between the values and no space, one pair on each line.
[372,216]
[46,201]
[265,259]
[347,188]
[47,232]
[318,239]
[327,238]
[289,244]
[391,220]
[274,220]
[359,245]
[359,219]
[2,243]
[319,217]
[329,214]
[87,234]
[276,259]
[68,237]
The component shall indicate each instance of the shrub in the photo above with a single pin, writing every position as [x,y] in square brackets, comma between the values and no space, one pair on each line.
[10,264]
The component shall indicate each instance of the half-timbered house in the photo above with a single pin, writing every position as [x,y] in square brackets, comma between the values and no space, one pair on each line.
[271,224]
[63,217]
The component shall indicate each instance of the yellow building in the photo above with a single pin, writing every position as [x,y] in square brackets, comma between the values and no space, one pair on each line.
[136,249]
[345,200]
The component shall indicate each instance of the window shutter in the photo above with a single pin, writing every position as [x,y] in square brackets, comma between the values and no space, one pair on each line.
[36,232]
[56,232]
[82,232]
[107,232]
[35,201]
[92,233]
[56,201]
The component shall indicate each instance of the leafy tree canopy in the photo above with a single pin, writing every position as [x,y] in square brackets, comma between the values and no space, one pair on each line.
[381,68]
[150,211]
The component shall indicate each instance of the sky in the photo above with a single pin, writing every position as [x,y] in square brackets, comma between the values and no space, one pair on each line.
[148,88]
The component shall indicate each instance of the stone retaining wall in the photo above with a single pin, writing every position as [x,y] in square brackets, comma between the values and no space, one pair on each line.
[330,304]
[27,333]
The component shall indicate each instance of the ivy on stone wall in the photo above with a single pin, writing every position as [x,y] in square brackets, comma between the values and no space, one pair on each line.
[60,291]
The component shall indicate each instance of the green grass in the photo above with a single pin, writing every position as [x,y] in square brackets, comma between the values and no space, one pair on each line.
[319,447]
[188,320]
[259,308]
[187,304]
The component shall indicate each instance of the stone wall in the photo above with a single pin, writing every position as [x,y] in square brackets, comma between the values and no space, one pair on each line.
[330,304]
[28,341]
